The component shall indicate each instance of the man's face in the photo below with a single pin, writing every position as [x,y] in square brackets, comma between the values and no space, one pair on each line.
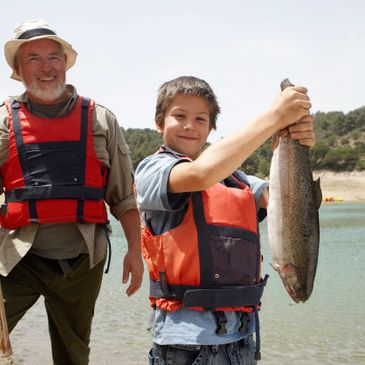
[186,125]
[42,66]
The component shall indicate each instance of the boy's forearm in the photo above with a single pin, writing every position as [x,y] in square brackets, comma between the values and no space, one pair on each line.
[223,157]
[220,159]
[228,154]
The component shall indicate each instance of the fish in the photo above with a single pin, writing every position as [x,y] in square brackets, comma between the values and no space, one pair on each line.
[292,216]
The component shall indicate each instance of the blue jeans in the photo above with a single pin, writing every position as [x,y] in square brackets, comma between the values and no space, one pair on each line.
[236,353]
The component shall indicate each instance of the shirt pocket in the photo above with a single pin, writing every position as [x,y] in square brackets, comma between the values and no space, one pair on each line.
[124,148]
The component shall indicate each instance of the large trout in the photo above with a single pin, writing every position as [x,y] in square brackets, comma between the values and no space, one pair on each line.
[293,223]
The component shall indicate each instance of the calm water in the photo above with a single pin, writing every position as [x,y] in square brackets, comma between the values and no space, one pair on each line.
[328,329]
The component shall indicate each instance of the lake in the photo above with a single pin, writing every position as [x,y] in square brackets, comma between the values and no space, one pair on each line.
[328,329]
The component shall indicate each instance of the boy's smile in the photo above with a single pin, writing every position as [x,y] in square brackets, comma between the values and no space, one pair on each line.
[186,125]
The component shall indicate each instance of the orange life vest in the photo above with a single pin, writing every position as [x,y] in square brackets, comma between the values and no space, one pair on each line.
[212,259]
[52,173]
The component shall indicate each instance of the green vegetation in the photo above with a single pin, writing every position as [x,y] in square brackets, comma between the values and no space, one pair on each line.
[142,143]
[340,144]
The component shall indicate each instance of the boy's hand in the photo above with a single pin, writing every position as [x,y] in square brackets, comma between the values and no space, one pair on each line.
[291,105]
[302,131]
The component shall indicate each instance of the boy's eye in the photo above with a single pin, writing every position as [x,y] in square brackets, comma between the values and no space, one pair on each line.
[179,116]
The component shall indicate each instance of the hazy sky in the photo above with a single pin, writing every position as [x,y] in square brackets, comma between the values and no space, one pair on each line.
[242,48]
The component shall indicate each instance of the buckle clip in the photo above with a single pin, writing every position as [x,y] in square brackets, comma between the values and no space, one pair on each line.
[221,320]
[244,322]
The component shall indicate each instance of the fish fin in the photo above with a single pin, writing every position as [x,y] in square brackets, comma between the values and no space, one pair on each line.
[317,193]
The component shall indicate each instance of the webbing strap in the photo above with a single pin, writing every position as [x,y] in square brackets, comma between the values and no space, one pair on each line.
[83,146]
[210,298]
[243,296]
[205,256]
[54,192]
[15,106]
[257,355]
[109,247]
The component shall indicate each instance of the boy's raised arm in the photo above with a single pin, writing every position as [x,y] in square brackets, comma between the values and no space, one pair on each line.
[220,159]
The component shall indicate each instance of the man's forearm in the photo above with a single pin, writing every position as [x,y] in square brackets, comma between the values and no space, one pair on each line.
[131,224]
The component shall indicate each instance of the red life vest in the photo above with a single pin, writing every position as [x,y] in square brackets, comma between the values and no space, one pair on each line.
[212,259]
[52,173]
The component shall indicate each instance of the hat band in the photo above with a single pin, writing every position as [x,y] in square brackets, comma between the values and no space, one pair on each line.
[35,33]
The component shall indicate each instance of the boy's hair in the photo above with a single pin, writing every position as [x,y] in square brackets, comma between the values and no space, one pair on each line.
[186,85]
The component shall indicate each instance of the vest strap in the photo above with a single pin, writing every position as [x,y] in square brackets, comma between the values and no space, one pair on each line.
[54,192]
[83,143]
[242,296]
[191,296]
[15,106]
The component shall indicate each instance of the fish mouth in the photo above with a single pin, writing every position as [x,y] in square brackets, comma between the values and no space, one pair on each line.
[290,278]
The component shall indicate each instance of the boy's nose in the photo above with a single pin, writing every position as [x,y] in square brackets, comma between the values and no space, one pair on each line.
[189,124]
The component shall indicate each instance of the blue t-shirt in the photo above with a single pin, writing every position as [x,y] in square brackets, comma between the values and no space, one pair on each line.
[162,210]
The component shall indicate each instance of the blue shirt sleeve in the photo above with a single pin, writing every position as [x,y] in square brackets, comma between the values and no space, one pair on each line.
[151,184]
[257,185]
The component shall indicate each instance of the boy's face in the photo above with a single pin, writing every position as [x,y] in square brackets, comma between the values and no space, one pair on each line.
[186,125]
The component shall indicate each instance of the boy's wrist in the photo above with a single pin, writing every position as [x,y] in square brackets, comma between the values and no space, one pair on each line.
[273,118]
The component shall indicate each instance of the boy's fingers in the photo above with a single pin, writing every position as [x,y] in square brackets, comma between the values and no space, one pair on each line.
[300,89]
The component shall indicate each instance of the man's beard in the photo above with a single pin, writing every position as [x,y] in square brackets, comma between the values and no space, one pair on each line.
[47,95]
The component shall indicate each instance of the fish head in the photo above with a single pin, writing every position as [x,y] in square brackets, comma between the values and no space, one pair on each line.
[293,282]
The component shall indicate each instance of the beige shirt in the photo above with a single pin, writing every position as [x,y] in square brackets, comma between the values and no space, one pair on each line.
[66,240]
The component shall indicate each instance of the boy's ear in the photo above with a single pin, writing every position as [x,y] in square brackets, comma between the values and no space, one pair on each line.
[159,128]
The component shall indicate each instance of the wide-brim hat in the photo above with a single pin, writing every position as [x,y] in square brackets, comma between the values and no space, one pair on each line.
[32,30]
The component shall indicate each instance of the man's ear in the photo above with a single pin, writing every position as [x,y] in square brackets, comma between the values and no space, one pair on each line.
[16,66]
[65,56]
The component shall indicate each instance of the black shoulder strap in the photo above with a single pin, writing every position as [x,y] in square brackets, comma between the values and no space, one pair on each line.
[83,146]
[15,106]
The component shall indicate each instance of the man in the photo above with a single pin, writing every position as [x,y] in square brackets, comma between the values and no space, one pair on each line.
[62,157]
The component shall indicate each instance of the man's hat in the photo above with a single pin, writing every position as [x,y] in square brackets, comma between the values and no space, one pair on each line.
[32,30]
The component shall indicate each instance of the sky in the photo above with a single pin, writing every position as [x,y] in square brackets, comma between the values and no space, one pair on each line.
[243,49]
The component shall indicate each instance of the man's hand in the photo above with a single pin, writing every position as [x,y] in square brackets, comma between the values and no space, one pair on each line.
[133,265]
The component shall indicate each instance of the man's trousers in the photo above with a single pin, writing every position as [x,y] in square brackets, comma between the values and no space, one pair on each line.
[69,299]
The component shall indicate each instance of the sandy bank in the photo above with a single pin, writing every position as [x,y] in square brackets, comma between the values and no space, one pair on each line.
[349,186]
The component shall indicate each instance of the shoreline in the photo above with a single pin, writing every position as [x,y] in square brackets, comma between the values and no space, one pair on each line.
[341,186]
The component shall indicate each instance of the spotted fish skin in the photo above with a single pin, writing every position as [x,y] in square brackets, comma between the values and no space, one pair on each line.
[293,221]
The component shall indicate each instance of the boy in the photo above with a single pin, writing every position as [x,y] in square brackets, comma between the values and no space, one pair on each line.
[201,241]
